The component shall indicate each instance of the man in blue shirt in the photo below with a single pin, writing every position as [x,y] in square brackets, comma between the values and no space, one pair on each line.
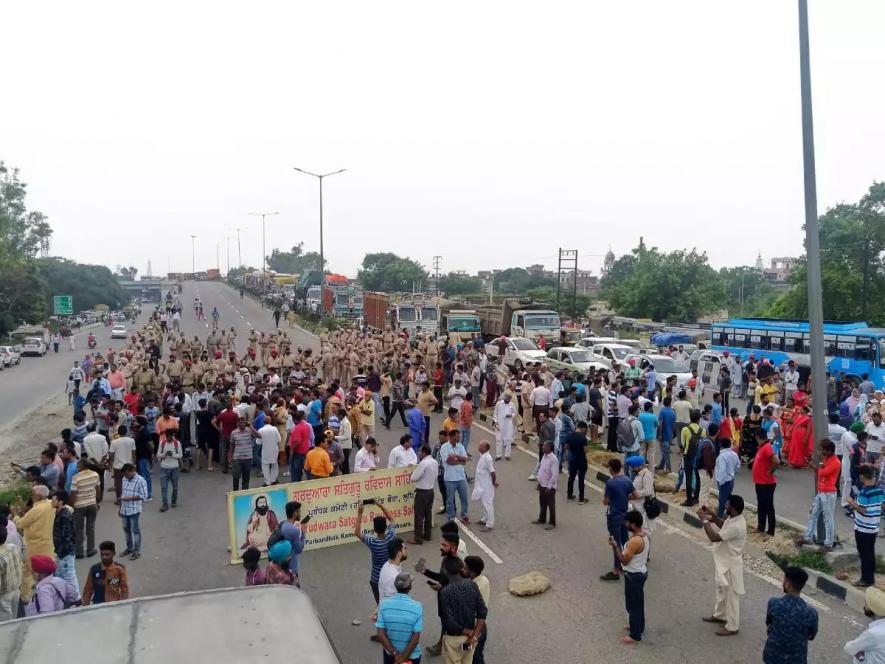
[791,622]
[649,422]
[291,529]
[400,621]
[618,492]
[666,429]
[416,423]
[453,458]
[716,409]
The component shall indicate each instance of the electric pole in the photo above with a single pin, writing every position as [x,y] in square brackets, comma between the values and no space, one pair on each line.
[193,257]
[436,262]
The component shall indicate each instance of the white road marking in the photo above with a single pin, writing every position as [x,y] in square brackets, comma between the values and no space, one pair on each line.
[491,554]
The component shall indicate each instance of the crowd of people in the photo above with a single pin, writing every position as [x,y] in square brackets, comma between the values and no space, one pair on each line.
[264,407]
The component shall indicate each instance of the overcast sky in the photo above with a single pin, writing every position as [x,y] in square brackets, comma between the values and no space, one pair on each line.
[490,133]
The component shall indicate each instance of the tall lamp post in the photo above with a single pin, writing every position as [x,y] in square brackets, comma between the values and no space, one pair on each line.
[227,238]
[263,245]
[239,246]
[812,251]
[812,237]
[320,177]
[193,257]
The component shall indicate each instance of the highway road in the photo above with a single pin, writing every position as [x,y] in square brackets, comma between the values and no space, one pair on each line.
[579,619]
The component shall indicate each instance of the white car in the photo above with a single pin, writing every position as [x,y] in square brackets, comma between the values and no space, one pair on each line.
[519,352]
[665,366]
[589,342]
[118,332]
[610,353]
[10,355]
[574,359]
[33,346]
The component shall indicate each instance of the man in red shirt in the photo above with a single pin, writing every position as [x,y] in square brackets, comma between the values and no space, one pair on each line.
[299,444]
[225,422]
[824,502]
[132,399]
[764,464]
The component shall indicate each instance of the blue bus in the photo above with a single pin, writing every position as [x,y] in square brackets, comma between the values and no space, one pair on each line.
[852,348]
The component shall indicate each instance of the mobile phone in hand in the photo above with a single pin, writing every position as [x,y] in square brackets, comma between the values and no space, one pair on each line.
[369,501]
[305,520]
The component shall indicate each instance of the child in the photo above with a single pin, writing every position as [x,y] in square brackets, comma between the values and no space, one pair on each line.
[70,388]
[254,573]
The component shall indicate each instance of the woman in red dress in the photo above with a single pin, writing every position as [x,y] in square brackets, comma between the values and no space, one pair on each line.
[800,443]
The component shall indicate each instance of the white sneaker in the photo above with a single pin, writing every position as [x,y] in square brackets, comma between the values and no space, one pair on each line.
[532,478]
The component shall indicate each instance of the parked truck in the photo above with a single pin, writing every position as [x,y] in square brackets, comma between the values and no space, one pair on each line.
[376,310]
[459,323]
[213,274]
[343,301]
[519,317]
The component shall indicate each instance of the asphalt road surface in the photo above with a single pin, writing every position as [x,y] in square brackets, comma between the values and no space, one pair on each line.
[579,619]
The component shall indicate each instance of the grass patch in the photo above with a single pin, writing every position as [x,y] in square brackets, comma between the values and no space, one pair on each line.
[809,559]
[16,489]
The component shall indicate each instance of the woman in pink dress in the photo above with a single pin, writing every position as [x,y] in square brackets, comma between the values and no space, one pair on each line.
[801,440]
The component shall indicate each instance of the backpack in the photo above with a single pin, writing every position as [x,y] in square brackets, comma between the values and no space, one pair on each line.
[626,440]
[275,537]
[694,441]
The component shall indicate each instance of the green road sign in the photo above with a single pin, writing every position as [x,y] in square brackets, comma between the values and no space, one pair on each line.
[63,305]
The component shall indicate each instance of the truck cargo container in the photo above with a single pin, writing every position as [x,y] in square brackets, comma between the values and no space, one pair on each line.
[376,310]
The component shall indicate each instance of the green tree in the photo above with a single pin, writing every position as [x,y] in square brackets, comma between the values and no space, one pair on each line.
[389,273]
[518,281]
[88,284]
[675,286]
[747,292]
[460,284]
[22,234]
[294,261]
[548,294]
[852,241]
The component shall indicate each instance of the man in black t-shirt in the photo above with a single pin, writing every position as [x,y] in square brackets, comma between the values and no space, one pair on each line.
[576,444]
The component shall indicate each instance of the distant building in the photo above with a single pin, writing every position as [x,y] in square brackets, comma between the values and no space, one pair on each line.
[587,282]
[609,262]
[779,270]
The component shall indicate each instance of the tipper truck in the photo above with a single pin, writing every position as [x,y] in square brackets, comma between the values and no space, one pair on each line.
[519,317]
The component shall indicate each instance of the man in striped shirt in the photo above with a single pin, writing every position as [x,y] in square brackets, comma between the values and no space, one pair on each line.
[867,513]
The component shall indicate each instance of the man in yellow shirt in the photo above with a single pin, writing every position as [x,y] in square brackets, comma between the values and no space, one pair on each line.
[317,464]
[367,415]
[35,526]
[452,422]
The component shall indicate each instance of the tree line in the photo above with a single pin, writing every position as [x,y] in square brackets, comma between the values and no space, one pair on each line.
[28,282]
[682,286]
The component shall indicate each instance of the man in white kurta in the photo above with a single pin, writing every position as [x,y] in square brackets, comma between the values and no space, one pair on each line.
[504,418]
[728,537]
[484,486]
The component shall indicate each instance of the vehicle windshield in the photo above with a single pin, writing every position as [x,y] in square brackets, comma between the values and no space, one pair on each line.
[406,314]
[525,344]
[666,365]
[619,353]
[581,356]
[464,324]
[541,322]
[429,313]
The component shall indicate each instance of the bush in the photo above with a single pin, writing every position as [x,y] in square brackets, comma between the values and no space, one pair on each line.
[809,559]
[18,488]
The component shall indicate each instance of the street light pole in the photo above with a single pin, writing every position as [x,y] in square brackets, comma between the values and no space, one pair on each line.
[812,238]
[320,178]
[227,237]
[193,257]
[263,245]
[239,248]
